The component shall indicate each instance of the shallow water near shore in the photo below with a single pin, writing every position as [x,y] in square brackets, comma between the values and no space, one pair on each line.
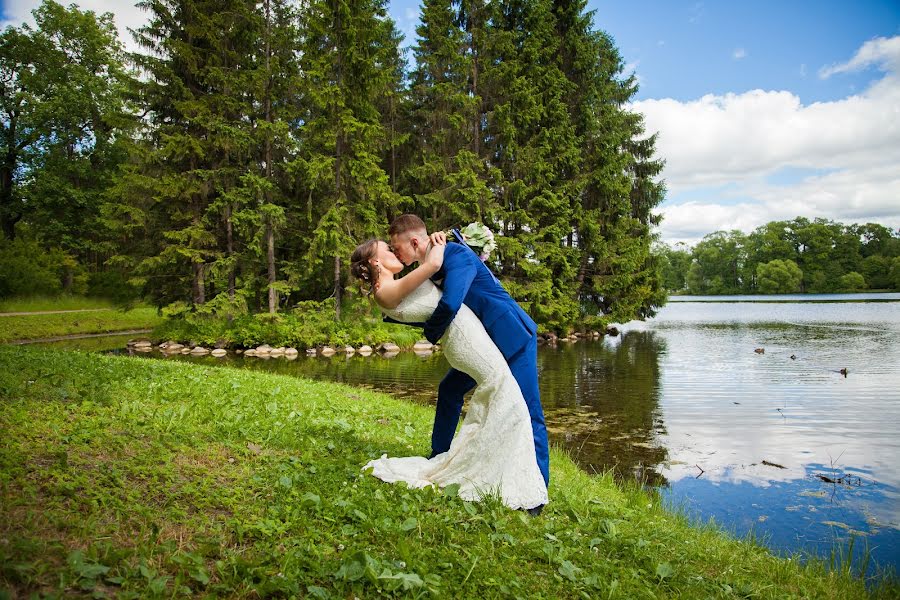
[779,443]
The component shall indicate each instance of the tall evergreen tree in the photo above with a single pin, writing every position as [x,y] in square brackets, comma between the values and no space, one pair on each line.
[617,274]
[197,100]
[266,196]
[447,177]
[348,61]
[532,142]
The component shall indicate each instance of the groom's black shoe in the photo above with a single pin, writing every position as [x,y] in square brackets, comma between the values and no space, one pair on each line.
[536,511]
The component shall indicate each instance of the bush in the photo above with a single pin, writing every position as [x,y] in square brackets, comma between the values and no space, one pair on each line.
[851,282]
[308,325]
[29,269]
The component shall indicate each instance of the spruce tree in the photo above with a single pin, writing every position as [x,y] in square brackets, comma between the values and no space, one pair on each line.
[348,62]
[447,177]
[196,95]
[618,187]
[531,141]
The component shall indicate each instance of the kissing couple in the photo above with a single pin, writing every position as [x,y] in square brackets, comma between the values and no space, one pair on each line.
[491,345]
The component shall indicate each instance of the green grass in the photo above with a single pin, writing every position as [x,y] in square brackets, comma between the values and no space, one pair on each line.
[40,303]
[34,327]
[139,478]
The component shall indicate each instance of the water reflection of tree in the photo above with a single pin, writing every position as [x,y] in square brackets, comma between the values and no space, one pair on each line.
[602,403]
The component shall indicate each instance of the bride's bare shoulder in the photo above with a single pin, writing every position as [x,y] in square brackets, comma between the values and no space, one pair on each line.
[384,298]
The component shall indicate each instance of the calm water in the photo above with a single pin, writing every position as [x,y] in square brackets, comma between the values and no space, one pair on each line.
[685,403]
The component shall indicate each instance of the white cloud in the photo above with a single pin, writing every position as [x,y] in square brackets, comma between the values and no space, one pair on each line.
[739,53]
[125,14]
[738,140]
[883,52]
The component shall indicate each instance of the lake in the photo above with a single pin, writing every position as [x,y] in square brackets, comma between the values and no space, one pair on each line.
[779,443]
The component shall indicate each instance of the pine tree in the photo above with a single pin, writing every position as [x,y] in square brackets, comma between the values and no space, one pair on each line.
[447,177]
[617,275]
[199,140]
[348,61]
[532,142]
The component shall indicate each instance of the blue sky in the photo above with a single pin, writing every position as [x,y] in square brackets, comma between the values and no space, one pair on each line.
[686,50]
[764,110]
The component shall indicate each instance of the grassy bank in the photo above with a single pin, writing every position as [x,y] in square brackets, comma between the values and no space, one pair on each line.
[33,327]
[39,303]
[133,477]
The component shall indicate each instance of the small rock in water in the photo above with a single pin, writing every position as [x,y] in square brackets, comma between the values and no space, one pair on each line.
[328,351]
[365,350]
[349,349]
[389,347]
[277,351]
[199,351]
[291,352]
[310,351]
[219,352]
[263,350]
[422,345]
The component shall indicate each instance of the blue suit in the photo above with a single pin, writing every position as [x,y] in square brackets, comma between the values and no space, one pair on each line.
[467,280]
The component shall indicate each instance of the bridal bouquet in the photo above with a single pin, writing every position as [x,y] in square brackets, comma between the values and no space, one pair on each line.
[479,238]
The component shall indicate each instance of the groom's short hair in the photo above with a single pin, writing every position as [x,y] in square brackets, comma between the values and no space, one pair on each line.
[406,224]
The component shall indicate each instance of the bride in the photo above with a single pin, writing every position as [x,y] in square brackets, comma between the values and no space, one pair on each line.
[493,453]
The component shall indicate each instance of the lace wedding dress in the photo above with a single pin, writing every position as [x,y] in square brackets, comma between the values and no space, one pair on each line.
[493,452]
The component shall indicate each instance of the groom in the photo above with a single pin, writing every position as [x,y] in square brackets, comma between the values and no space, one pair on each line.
[467,279]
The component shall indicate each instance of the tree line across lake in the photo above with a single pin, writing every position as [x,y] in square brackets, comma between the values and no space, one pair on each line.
[232,165]
[782,257]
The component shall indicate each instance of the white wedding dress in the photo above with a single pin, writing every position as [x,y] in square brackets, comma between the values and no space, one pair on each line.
[493,452]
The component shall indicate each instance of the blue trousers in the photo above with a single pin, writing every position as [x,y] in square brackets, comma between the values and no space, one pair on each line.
[456,384]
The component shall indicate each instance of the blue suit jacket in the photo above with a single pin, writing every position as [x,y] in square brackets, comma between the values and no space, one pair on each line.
[467,279]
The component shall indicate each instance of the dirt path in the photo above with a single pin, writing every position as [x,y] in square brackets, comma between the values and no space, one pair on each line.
[51,312]
[77,336]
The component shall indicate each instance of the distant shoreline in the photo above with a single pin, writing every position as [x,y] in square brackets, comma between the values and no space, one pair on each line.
[789,298]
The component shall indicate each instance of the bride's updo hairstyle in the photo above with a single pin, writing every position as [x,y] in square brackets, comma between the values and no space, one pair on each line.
[361,266]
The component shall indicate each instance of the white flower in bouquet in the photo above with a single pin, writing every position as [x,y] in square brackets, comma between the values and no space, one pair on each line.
[480,239]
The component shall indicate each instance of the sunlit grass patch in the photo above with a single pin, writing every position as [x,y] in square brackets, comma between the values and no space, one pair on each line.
[41,303]
[33,327]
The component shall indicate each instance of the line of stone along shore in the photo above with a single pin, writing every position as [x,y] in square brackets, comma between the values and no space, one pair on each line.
[387,349]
